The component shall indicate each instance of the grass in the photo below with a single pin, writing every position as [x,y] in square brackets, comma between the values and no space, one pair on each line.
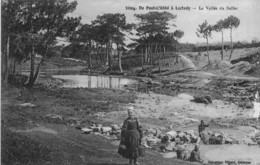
[62,101]
[19,149]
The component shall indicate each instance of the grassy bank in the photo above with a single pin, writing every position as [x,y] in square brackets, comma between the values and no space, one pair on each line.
[79,104]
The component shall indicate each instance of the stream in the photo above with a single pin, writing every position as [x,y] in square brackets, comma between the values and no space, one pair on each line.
[100,81]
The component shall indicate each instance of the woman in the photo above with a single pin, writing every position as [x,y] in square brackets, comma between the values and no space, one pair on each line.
[131,137]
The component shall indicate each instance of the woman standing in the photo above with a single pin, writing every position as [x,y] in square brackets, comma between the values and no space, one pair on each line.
[131,137]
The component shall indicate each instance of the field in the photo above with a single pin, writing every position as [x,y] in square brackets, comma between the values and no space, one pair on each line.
[42,125]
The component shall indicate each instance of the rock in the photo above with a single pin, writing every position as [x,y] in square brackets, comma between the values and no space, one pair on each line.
[158,133]
[144,143]
[115,127]
[95,129]
[27,105]
[106,129]
[170,146]
[249,104]
[100,114]
[249,141]
[228,140]
[181,134]
[186,138]
[54,118]
[86,130]
[171,134]
[202,99]
[151,131]
[190,132]
[171,155]
[151,141]
[116,133]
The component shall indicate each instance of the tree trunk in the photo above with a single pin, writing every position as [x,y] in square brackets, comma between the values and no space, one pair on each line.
[14,66]
[6,74]
[30,85]
[107,58]
[231,51]
[89,56]
[119,59]
[142,59]
[222,49]
[145,57]
[208,48]
[32,67]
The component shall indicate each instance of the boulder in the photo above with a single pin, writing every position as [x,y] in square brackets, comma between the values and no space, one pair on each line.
[95,129]
[228,140]
[170,146]
[115,127]
[106,129]
[144,143]
[151,131]
[151,141]
[171,134]
[249,141]
[249,104]
[158,133]
[86,130]
[181,134]
[186,138]
[190,132]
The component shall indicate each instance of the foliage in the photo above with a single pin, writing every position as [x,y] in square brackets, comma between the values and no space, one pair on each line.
[204,31]
[34,27]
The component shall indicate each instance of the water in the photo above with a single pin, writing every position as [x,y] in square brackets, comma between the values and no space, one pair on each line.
[87,81]
[256,112]
[231,153]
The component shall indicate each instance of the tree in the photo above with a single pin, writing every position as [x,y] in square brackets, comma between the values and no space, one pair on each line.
[11,21]
[178,34]
[231,22]
[204,31]
[150,25]
[85,35]
[111,28]
[40,22]
[219,27]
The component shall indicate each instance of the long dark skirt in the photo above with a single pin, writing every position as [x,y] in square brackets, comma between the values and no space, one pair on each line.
[132,143]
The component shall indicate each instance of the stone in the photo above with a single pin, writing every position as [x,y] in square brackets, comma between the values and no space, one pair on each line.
[249,104]
[181,134]
[27,105]
[158,132]
[95,129]
[228,140]
[106,129]
[151,131]
[151,141]
[190,132]
[186,138]
[172,155]
[171,134]
[115,127]
[249,141]
[144,143]
[170,146]
[86,130]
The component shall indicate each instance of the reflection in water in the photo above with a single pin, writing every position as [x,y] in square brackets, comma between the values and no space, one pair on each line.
[87,81]
[231,153]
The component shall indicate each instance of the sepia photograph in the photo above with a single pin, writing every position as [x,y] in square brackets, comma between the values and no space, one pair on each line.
[130,82]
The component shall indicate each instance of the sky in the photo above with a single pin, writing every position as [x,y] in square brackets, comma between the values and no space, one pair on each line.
[248,11]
